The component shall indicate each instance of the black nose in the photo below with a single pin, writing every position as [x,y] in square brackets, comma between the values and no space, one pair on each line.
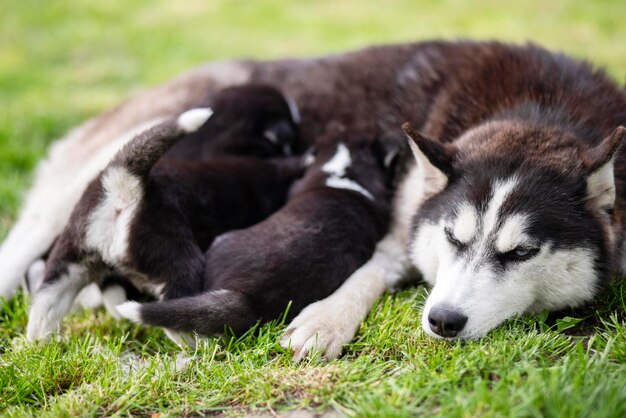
[445,321]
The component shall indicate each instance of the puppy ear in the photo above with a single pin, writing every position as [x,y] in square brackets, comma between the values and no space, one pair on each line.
[387,151]
[430,153]
[600,163]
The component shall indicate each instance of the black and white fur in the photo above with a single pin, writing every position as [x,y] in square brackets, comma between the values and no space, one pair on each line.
[335,216]
[152,224]
[451,91]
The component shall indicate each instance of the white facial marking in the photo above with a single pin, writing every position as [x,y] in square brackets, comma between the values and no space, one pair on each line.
[466,223]
[347,184]
[511,234]
[500,191]
[337,165]
[470,283]
[193,119]
[336,168]
[109,223]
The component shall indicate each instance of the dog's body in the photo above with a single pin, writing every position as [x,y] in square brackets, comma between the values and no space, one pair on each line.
[335,216]
[460,93]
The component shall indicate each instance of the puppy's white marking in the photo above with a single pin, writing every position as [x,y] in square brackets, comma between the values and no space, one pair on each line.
[130,310]
[500,191]
[113,295]
[271,136]
[347,184]
[154,289]
[336,168]
[293,110]
[309,159]
[108,225]
[193,119]
[337,165]
[466,223]
[511,234]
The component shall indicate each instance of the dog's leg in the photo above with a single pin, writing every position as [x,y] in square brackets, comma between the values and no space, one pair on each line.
[90,297]
[76,160]
[325,326]
[54,300]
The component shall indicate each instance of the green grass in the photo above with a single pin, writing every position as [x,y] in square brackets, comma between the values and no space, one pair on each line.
[64,61]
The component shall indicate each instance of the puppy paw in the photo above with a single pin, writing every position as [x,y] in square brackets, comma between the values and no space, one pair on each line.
[321,328]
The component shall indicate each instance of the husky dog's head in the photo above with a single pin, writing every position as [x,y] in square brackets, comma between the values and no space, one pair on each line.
[523,223]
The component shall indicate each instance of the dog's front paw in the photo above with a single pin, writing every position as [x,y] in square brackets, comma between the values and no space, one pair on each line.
[322,328]
[40,324]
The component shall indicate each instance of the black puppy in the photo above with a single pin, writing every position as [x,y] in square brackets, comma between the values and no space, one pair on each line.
[335,216]
[251,119]
[153,225]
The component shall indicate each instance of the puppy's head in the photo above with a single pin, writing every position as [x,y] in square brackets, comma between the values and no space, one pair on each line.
[254,119]
[363,166]
[522,222]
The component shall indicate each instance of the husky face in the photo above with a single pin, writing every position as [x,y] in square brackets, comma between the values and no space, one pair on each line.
[504,238]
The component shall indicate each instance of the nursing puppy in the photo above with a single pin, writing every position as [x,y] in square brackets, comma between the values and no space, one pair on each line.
[335,216]
[252,119]
[152,225]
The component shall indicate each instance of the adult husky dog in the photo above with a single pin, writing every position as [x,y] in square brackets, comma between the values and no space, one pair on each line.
[515,202]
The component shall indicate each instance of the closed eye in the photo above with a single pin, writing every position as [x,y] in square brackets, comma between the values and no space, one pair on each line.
[452,240]
[518,254]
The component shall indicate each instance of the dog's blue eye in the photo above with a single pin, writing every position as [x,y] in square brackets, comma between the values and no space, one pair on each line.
[519,254]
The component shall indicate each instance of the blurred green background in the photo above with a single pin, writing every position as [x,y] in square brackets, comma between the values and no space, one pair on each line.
[62,61]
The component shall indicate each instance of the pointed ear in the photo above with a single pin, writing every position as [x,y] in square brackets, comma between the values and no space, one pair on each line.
[600,162]
[430,153]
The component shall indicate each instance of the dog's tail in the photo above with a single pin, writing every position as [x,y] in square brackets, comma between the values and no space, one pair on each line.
[209,313]
[140,154]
